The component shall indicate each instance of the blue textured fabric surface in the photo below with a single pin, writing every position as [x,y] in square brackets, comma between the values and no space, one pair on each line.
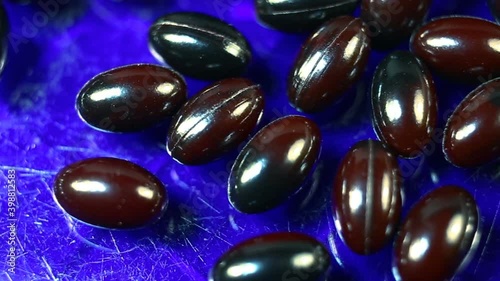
[52,55]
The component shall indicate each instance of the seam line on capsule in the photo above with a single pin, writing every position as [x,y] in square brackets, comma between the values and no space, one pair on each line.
[332,42]
[167,23]
[290,12]
[213,110]
[369,195]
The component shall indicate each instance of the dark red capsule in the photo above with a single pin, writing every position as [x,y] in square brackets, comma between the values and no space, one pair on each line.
[463,48]
[404,103]
[131,98]
[438,236]
[472,134]
[274,164]
[298,15]
[367,197]
[110,193]
[276,256]
[390,22]
[331,60]
[214,121]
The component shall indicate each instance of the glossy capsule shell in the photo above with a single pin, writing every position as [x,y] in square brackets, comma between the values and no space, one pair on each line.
[215,121]
[367,197]
[275,256]
[110,193]
[300,15]
[441,229]
[131,98]
[390,22]
[472,133]
[274,164]
[404,103]
[199,45]
[330,61]
[463,48]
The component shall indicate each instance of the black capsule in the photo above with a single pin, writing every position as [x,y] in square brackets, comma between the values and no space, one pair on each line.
[199,46]
[404,103]
[274,164]
[274,257]
[299,15]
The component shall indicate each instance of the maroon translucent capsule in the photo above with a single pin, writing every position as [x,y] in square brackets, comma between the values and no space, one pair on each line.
[110,193]
[331,60]
[215,120]
[438,236]
[390,22]
[367,197]
[274,164]
[131,98]
[472,134]
[275,256]
[463,48]
[404,103]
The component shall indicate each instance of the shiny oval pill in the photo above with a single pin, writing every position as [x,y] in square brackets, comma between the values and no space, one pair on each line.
[440,229]
[404,103]
[274,164]
[215,120]
[199,45]
[390,22]
[110,193]
[330,61]
[299,15]
[472,133]
[463,48]
[275,256]
[131,98]
[367,197]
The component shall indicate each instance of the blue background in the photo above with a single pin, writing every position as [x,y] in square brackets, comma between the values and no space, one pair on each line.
[40,133]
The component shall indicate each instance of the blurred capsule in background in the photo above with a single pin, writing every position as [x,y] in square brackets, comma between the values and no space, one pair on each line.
[495,8]
[199,46]
[4,32]
[22,2]
[391,22]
